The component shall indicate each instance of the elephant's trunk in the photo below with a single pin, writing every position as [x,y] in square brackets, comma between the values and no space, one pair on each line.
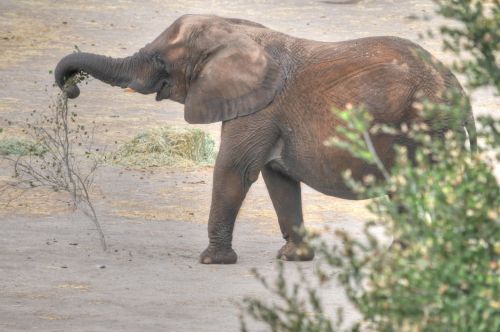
[117,72]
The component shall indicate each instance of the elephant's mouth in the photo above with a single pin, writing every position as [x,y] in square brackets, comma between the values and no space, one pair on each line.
[163,91]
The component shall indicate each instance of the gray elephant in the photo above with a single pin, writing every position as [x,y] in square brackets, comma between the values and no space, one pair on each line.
[274,94]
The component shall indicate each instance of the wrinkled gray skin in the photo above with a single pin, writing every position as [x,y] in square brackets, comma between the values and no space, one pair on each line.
[274,94]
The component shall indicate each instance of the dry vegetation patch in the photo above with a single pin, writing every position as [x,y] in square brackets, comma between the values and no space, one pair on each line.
[166,146]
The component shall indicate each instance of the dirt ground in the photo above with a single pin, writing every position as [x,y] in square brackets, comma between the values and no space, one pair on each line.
[53,274]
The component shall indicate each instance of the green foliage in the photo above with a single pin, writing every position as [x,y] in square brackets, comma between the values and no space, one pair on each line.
[490,133]
[356,121]
[167,146]
[442,272]
[15,146]
[476,38]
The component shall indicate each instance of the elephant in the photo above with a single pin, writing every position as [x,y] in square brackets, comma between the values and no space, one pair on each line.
[274,94]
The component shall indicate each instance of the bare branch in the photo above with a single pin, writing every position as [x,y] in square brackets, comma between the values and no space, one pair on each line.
[59,168]
[371,148]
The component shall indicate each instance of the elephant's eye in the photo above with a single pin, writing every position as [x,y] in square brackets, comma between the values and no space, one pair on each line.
[159,63]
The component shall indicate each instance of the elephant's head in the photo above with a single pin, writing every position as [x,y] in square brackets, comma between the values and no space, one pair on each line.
[208,63]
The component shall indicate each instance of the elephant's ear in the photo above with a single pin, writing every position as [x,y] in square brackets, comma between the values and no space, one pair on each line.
[237,79]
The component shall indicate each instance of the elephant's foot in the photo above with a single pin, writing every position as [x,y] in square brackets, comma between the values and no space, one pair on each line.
[213,255]
[295,252]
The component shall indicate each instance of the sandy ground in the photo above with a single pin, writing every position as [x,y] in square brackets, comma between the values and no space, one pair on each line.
[53,274]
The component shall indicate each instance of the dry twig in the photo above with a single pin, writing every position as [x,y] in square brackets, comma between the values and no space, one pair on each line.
[55,164]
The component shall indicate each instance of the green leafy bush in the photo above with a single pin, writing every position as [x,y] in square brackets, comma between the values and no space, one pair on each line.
[476,38]
[443,273]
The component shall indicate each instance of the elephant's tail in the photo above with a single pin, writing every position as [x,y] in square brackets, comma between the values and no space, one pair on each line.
[470,126]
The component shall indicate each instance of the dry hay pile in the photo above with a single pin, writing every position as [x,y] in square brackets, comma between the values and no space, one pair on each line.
[167,146]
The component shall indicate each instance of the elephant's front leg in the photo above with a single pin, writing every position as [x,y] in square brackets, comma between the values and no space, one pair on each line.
[286,197]
[245,144]
[229,190]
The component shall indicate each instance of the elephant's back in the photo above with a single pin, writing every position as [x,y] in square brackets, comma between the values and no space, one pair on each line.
[384,74]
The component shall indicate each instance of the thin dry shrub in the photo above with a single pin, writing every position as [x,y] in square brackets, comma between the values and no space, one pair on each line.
[63,158]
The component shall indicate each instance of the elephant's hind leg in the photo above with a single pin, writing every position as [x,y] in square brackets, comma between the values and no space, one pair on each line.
[286,197]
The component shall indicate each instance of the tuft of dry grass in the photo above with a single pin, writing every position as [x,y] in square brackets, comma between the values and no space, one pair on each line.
[16,146]
[166,146]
